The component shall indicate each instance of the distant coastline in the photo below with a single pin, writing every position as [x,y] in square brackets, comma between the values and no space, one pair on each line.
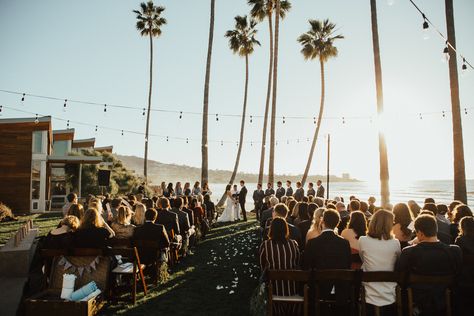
[158,172]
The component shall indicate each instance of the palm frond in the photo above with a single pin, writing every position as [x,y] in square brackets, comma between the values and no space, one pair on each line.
[242,39]
[318,42]
[149,19]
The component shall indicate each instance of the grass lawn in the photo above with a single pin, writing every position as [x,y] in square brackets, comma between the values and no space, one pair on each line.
[217,280]
[46,222]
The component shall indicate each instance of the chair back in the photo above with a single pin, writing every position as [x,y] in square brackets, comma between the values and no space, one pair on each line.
[289,275]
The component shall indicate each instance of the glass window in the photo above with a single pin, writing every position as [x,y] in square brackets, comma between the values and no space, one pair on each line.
[60,148]
[35,179]
[37,142]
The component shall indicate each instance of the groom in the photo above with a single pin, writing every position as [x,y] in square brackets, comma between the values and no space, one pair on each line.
[242,197]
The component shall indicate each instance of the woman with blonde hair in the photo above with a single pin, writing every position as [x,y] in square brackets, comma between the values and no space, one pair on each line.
[62,237]
[138,217]
[122,225]
[379,251]
[93,232]
[315,229]
[76,210]
[294,213]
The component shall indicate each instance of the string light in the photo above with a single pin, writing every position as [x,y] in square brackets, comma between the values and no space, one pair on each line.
[465,111]
[67,124]
[314,120]
[23,98]
[420,116]
[36,119]
[105,108]
[464,66]
[1,108]
[444,114]
[283,120]
[217,117]
[122,132]
[187,141]
[180,114]
[143,113]
[343,120]
[251,119]
[222,143]
[64,105]
[426,28]
[96,128]
[446,53]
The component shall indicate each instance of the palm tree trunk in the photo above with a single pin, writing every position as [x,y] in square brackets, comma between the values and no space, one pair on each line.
[271,167]
[242,128]
[316,131]
[383,157]
[267,103]
[205,110]
[145,162]
[458,147]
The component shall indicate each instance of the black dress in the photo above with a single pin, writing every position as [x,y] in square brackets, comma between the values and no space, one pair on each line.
[91,238]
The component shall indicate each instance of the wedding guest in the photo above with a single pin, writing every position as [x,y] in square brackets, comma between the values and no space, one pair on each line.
[187,189]
[414,208]
[210,208]
[205,189]
[429,257]
[303,221]
[312,207]
[258,197]
[138,217]
[402,219]
[153,232]
[167,218]
[187,209]
[281,210]
[451,208]
[199,215]
[320,192]
[364,208]
[299,193]
[267,214]
[429,200]
[379,251]
[93,232]
[62,237]
[302,213]
[372,207]
[354,205]
[114,205]
[283,199]
[71,199]
[162,189]
[460,211]
[280,252]
[289,189]
[294,213]
[343,214]
[183,219]
[291,206]
[311,191]
[319,201]
[280,191]
[356,228]
[315,229]
[444,231]
[465,239]
[269,191]
[76,210]
[442,213]
[178,189]
[196,188]
[122,225]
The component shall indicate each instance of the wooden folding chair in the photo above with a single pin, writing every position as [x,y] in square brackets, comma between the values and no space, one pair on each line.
[338,277]
[288,275]
[446,281]
[153,247]
[381,276]
[173,255]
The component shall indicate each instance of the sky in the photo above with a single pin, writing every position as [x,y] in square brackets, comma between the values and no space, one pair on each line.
[90,50]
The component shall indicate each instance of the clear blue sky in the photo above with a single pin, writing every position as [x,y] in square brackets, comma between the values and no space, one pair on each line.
[90,50]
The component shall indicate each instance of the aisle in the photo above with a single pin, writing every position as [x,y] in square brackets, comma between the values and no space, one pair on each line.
[217,280]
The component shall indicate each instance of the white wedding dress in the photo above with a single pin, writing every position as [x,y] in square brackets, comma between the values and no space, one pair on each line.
[229,212]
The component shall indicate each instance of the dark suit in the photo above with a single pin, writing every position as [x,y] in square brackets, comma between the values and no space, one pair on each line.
[311,192]
[299,194]
[265,216]
[320,192]
[183,221]
[280,192]
[269,192]
[258,196]
[289,191]
[190,216]
[169,220]
[154,232]
[242,198]
[304,226]
[330,251]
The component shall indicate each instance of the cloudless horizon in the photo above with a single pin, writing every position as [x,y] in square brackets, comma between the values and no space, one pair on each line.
[91,50]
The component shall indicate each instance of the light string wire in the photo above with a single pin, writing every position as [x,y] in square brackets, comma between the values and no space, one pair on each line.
[464,59]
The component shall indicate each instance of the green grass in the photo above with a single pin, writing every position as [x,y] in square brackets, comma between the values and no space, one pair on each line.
[227,258]
[45,222]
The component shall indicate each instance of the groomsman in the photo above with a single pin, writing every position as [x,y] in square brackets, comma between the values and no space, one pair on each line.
[242,197]
[289,189]
[320,189]
[280,192]
[311,190]
[258,196]
[299,193]
[269,191]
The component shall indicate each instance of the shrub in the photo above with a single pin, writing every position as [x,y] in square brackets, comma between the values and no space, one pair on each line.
[5,213]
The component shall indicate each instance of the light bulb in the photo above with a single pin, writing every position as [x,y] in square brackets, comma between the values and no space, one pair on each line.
[426,30]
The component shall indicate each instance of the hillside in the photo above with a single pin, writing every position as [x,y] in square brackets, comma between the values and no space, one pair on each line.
[172,173]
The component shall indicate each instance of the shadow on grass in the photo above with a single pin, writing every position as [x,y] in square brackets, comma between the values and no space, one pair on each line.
[218,280]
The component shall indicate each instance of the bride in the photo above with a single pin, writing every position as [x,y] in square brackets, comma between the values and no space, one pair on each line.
[229,213]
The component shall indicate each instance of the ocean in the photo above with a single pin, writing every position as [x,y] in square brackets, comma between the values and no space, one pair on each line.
[440,190]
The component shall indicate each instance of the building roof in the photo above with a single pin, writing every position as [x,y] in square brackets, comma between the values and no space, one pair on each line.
[20,120]
[63,134]
[83,143]
[75,159]
[108,149]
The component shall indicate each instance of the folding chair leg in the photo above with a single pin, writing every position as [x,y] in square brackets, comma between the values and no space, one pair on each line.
[410,301]
[448,302]
[305,303]
[134,289]
[399,301]
[270,299]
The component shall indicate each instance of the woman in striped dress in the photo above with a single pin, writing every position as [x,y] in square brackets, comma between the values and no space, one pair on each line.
[280,253]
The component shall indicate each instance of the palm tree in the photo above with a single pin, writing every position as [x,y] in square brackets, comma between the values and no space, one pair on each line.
[458,147]
[318,43]
[149,23]
[261,10]
[242,41]
[205,110]
[383,157]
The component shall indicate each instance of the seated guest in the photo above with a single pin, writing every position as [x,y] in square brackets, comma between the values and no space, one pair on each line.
[151,231]
[319,201]
[281,210]
[460,211]
[302,213]
[451,208]
[364,208]
[329,251]
[199,216]
[354,205]
[187,210]
[304,222]
[429,200]
[183,219]
[280,252]
[442,213]
[402,219]
[429,257]
[267,214]
[71,199]
[344,215]
[465,240]
[76,210]
[122,225]
[443,227]
[167,218]
[356,228]
[93,232]
[315,229]
[293,215]
[138,217]
[312,207]
[62,237]
[114,206]
[210,208]
[414,208]
[372,206]
[187,189]
[379,251]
